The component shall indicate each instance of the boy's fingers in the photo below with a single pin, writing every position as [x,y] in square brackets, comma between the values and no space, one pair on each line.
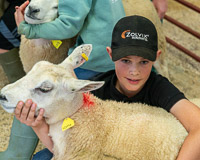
[39,117]
[31,113]
[18,109]
[25,110]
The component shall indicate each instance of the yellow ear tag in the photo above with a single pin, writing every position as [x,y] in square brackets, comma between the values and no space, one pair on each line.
[67,123]
[84,56]
[56,43]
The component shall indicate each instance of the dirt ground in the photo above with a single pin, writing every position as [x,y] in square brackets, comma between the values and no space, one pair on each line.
[184,71]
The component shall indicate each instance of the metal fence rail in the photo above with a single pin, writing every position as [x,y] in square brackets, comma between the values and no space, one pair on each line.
[185,28]
[189,5]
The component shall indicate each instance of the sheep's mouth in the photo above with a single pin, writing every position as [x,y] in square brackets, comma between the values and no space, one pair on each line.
[8,109]
[32,17]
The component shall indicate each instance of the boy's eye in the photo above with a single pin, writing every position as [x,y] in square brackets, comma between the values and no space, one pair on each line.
[144,62]
[125,61]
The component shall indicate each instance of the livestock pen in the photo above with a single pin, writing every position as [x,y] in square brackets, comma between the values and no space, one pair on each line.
[184,71]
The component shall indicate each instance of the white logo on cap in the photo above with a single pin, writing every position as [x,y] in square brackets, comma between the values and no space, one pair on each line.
[133,35]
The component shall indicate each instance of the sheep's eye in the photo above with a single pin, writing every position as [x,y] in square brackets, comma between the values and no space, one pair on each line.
[44,87]
[55,7]
[44,90]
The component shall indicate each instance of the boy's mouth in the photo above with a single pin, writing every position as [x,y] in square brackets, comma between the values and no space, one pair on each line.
[133,81]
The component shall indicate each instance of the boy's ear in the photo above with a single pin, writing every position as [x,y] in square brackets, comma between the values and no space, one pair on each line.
[158,54]
[109,50]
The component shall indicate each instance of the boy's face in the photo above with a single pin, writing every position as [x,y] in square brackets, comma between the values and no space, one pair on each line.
[132,73]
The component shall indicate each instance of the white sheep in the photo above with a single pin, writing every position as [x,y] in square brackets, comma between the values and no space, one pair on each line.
[32,51]
[102,130]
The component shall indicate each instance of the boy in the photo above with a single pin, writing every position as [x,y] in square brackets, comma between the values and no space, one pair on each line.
[134,50]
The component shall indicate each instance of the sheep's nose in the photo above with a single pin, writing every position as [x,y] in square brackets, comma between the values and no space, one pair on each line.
[33,10]
[3,98]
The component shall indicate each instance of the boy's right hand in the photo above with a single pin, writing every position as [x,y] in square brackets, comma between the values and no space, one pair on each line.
[25,113]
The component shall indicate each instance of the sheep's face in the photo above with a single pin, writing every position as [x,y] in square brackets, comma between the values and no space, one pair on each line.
[52,87]
[40,11]
[39,84]
[46,84]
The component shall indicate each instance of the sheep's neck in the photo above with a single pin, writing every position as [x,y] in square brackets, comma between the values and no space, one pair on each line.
[88,100]
[41,42]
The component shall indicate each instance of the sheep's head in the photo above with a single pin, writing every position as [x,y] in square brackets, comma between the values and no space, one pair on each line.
[41,11]
[53,87]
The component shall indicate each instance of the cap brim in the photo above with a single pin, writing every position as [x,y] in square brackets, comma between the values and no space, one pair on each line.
[118,53]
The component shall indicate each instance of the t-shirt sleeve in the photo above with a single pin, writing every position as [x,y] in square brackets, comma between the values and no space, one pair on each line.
[104,91]
[165,94]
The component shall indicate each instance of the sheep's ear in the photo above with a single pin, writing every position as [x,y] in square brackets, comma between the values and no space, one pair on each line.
[85,85]
[78,56]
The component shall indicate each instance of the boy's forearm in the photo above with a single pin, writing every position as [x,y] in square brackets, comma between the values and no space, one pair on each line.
[43,135]
[190,149]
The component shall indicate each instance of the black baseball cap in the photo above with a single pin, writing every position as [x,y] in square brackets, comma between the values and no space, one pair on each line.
[134,35]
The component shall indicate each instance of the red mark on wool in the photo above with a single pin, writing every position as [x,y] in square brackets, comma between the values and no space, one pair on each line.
[88,100]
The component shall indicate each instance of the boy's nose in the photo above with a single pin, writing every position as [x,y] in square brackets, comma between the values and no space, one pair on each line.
[133,72]
[134,69]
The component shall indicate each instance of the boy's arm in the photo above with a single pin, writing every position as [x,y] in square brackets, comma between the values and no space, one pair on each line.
[189,115]
[71,18]
[161,7]
[25,113]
